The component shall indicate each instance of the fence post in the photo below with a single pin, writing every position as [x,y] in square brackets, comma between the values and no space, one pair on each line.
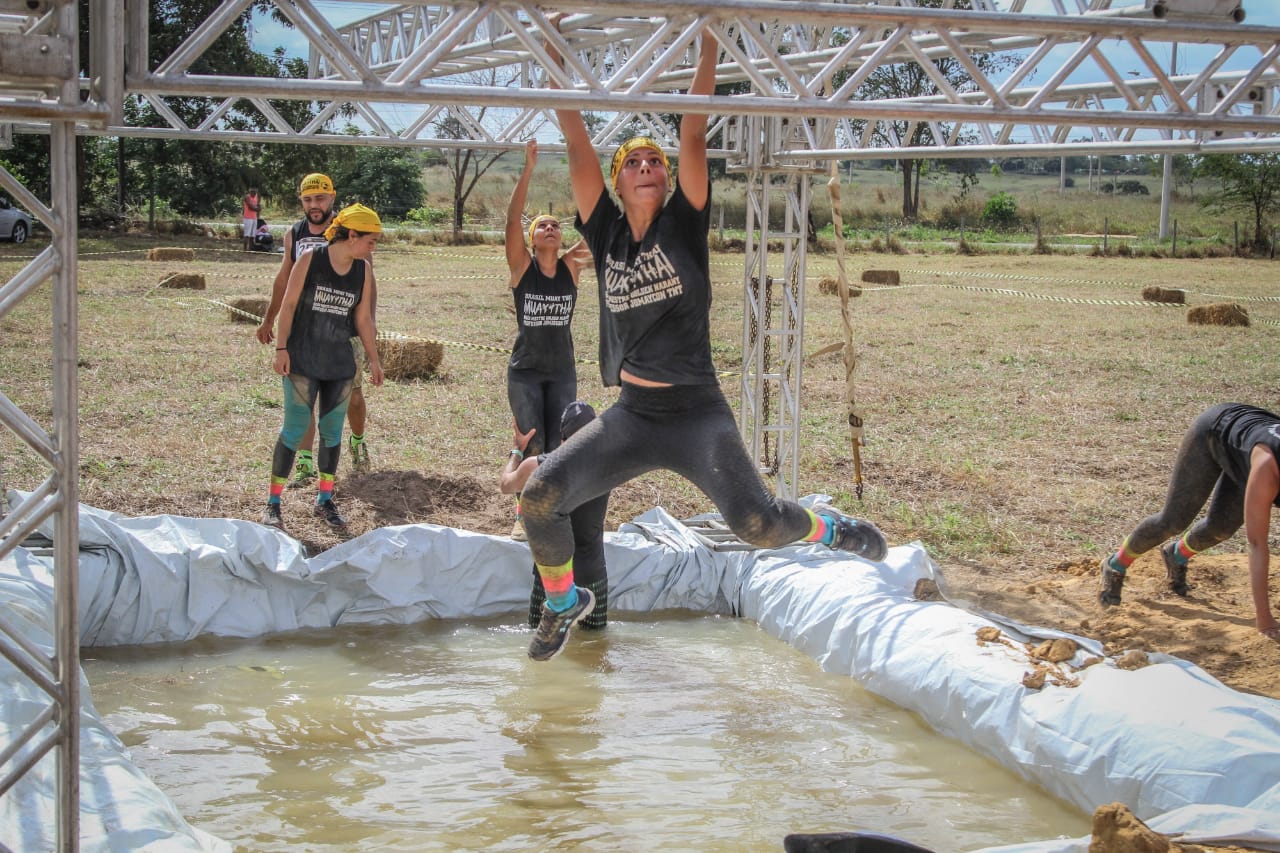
[1175,238]
[887,238]
[1106,232]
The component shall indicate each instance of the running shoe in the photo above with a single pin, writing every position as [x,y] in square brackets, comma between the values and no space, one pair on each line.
[1173,570]
[1112,584]
[328,510]
[359,455]
[855,535]
[553,629]
[304,474]
[271,517]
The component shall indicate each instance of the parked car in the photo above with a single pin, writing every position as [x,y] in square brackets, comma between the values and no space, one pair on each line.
[14,224]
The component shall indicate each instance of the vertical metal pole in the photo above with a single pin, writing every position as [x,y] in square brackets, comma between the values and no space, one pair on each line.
[66,542]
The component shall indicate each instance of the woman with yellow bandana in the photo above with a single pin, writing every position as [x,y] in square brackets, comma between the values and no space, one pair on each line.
[541,378]
[652,265]
[324,306]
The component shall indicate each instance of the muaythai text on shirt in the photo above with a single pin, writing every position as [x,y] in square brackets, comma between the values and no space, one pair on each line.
[330,301]
[650,278]
[541,309]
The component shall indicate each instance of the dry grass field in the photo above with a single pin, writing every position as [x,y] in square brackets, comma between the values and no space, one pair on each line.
[1022,412]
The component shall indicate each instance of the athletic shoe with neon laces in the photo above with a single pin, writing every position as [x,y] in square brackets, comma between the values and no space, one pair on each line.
[359,455]
[304,474]
[1173,570]
[1112,584]
[328,510]
[553,629]
[855,535]
[271,517]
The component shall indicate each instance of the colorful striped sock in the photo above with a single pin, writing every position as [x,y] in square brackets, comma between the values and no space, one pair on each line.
[324,488]
[557,581]
[820,529]
[1121,560]
[277,488]
[1182,551]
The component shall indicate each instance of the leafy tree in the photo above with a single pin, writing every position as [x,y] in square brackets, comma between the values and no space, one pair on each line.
[910,80]
[389,180]
[1248,182]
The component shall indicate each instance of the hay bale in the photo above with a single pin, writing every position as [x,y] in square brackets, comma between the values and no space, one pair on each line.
[402,359]
[248,310]
[183,281]
[1218,314]
[881,277]
[165,253]
[1165,294]
[831,287]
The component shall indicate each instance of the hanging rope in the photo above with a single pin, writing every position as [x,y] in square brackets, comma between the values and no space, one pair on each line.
[850,359]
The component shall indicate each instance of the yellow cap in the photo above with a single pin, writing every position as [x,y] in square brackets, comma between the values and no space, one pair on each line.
[533,226]
[631,145]
[356,217]
[315,183]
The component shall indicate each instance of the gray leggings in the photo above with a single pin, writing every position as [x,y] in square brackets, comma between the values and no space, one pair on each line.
[687,429]
[1198,474]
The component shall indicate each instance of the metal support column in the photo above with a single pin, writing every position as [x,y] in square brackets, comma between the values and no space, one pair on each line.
[773,314]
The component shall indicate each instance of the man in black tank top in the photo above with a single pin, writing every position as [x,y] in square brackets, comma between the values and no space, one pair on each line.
[317,195]
[1229,458]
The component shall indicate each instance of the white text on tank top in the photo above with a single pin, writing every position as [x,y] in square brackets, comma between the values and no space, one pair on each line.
[547,309]
[650,278]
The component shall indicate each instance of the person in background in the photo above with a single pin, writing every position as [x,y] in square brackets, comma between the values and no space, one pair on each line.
[1228,458]
[317,195]
[250,207]
[541,376]
[653,272]
[587,520]
[262,239]
[325,299]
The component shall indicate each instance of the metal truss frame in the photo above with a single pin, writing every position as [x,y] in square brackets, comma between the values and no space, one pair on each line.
[399,71]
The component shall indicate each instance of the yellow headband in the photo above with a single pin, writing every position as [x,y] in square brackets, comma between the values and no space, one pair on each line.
[533,226]
[357,217]
[315,183]
[631,145]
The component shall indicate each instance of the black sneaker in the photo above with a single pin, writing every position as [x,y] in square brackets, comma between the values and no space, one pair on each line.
[1173,570]
[1112,583]
[855,535]
[553,629]
[328,510]
[271,517]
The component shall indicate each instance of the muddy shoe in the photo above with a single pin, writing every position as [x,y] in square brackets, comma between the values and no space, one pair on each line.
[553,629]
[328,510]
[517,531]
[271,517]
[1112,583]
[359,455]
[855,535]
[1173,570]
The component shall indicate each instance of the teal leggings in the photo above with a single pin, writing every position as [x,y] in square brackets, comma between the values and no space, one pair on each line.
[300,396]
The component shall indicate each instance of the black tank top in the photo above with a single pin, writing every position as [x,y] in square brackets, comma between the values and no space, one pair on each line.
[319,340]
[304,241]
[1242,427]
[544,310]
[655,295]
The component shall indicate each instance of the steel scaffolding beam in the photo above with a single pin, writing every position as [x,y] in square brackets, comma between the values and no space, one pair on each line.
[38,55]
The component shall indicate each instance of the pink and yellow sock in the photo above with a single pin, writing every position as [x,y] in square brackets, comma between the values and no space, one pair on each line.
[277,489]
[819,528]
[1183,550]
[558,583]
[324,488]
[1121,560]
